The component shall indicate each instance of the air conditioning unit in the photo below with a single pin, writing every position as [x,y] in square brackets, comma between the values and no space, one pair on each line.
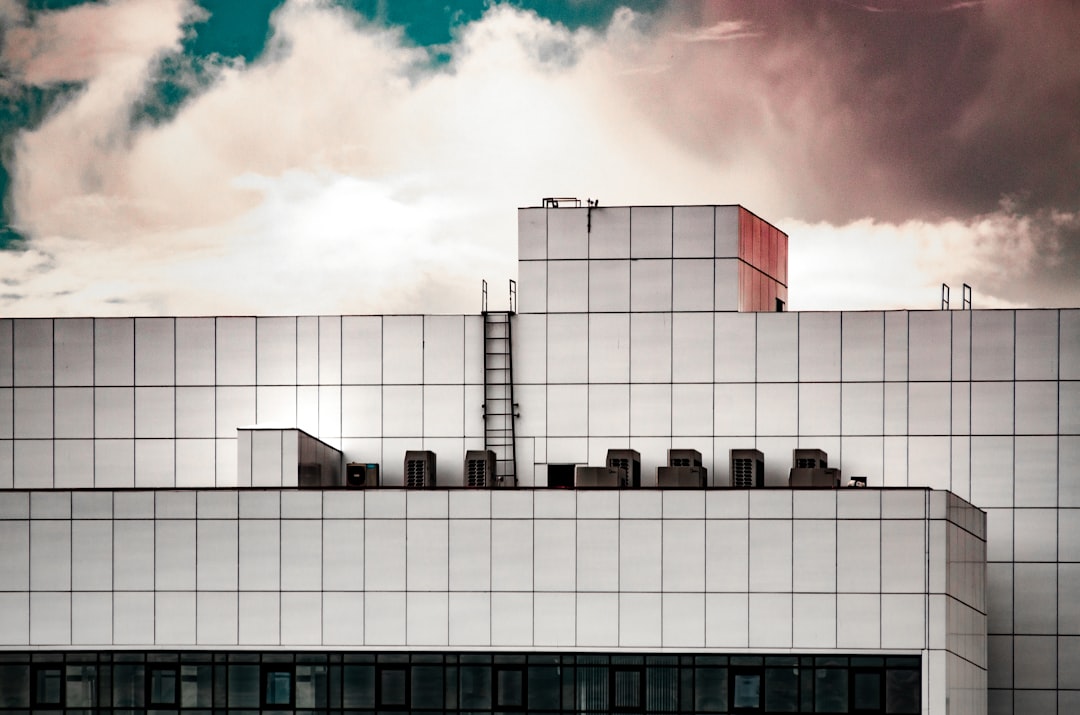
[810,468]
[684,470]
[606,477]
[629,461]
[814,477]
[809,459]
[480,468]
[419,469]
[747,468]
[360,475]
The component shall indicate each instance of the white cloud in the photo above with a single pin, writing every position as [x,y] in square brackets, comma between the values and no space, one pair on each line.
[339,173]
[874,265]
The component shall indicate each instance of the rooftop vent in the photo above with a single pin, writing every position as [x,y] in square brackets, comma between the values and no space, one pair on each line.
[684,470]
[747,468]
[480,468]
[360,475]
[629,461]
[810,468]
[809,458]
[419,469]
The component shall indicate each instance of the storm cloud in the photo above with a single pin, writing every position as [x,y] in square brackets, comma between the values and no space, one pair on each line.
[900,145]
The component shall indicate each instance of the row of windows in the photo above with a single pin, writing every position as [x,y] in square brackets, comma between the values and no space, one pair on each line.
[467,682]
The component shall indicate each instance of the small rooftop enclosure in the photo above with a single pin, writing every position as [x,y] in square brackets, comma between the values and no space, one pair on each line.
[649,258]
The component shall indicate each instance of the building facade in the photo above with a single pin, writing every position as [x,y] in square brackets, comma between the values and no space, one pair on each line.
[152,537]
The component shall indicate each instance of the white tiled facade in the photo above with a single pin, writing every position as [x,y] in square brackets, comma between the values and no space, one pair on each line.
[627,334]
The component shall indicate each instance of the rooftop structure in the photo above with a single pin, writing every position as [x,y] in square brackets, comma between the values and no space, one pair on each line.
[361,513]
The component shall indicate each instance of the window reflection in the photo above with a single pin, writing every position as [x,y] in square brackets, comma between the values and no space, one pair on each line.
[158,682]
[163,686]
[746,690]
[48,685]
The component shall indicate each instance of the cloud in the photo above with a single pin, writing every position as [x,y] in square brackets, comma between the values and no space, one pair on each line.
[91,41]
[1003,256]
[342,172]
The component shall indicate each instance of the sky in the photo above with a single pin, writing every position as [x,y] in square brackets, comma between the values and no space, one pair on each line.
[281,157]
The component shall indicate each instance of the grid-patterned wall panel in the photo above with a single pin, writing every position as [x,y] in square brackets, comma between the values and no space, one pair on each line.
[797,570]
[155,402]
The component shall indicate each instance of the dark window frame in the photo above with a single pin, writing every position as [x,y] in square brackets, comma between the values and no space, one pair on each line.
[853,676]
[148,683]
[265,670]
[496,690]
[36,670]
[614,670]
[734,671]
[380,670]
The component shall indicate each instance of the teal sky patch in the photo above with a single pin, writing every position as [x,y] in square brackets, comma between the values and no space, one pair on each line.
[240,29]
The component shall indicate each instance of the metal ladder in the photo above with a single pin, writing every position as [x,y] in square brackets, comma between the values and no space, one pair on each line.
[500,410]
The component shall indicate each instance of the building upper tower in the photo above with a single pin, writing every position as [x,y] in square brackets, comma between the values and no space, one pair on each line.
[649,259]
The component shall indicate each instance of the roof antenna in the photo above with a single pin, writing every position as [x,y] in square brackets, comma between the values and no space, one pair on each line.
[944,296]
[966,304]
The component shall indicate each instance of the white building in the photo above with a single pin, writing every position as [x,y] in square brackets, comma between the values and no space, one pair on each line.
[157,555]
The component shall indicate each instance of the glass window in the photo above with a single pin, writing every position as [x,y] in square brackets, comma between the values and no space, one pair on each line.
[244,686]
[162,686]
[627,684]
[831,690]
[745,690]
[127,685]
[710,689]
[359,686]
[866,691]
[427,686]
[277,686]
[196,686]
[509,683]
[48,685]
[782,690]
[902,691]
[592,687]
[14,686]
[543,687]
[475,687]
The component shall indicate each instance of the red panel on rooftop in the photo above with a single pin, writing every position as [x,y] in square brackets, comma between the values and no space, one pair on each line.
[783,267]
